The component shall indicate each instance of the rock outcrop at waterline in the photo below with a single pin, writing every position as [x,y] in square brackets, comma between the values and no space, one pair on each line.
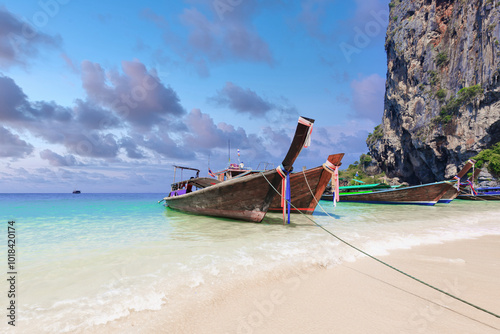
[442,102]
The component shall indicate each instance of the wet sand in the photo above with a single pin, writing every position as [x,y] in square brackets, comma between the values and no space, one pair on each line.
[353,297]
[363,296]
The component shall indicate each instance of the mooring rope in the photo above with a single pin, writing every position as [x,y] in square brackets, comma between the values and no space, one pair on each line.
[382,262]
[312,193]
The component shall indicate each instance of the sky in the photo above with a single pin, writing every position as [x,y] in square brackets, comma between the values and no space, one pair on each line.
[107,96]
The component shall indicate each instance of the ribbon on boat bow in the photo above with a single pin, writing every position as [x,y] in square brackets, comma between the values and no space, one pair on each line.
[286,194]
[305,122]
[458,182]
[334,170]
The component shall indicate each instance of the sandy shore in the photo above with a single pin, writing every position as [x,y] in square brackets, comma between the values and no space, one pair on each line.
[357,297]
[366,297]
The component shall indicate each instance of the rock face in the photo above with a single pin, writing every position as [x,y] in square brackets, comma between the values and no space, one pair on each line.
[442,101]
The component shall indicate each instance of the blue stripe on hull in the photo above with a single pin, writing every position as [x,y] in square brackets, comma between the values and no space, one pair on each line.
[445,201]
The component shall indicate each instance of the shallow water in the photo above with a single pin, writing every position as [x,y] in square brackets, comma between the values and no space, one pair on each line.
[86,260]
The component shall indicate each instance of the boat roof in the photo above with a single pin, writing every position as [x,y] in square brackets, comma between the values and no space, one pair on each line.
[234,169]
[203,182]
[366,186]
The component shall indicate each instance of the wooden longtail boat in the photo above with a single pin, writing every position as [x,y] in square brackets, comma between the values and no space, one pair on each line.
[483,194]
[245,198]
[426,194]
[302,183]
[479,194]
[453,192]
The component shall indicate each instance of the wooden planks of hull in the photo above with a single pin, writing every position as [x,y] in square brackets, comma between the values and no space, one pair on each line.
[427,194]
[302,183]
[246,198]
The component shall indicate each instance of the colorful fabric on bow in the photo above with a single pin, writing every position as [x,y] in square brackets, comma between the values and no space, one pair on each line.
[334,170]
[457,185]
[286,194]
[473,191]
[304,121]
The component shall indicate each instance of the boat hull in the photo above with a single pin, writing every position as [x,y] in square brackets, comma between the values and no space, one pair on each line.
[302,199]
[480,197]
[307,187]
[426,194]
[453,192]
[246,198]
[449,196]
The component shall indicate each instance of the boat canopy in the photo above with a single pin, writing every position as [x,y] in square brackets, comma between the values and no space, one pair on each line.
[203,182]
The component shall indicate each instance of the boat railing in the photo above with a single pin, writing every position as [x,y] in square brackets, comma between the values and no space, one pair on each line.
[265,166]
[177,192]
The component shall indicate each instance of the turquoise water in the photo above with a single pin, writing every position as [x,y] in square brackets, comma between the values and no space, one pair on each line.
[88,261]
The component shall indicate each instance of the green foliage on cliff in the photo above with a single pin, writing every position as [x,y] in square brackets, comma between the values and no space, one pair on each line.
[441,59]
[365,159]
[394,3]
[434,77]
[490,158]
[358,167]
[467,94]
[377,134]
[441,94]
[464,97]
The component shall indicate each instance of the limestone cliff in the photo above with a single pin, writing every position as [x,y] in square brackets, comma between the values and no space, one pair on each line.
[442,101]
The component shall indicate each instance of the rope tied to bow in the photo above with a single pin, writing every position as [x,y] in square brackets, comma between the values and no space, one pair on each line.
[471,185]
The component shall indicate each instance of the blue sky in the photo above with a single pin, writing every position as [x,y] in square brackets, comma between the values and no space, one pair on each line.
[106,96]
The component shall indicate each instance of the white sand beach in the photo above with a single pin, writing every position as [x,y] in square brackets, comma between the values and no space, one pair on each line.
[363,297]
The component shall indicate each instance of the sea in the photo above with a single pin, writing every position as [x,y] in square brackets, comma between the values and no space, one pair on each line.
[89,262]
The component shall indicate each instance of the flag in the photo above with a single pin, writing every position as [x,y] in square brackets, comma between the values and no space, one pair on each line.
[238,152]
[210,173]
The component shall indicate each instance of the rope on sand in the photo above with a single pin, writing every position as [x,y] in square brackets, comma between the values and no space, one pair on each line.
[380,261]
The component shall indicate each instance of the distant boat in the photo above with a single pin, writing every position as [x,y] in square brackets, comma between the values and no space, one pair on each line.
[245,198]
[425,194]
[77,192]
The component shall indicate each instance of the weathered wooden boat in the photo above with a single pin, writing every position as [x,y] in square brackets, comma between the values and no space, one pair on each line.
[482,194]
[425,194]
[453,192]
[470,193]
[246,197]
[307,187]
